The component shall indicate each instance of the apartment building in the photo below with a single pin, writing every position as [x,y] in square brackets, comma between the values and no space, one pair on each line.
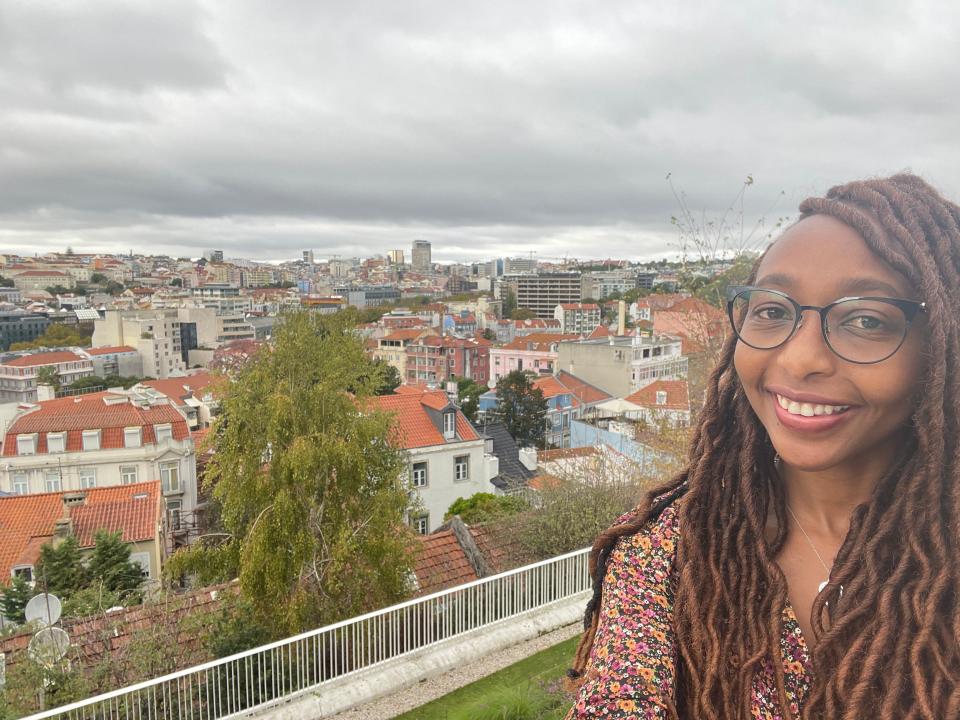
[622,365]
[536,353]
[18,376]
[447,457]
[120,360]
[155,334]
[34,280]
[31,521]
[599,285]
[542,292]
[580,318]
[420,257]
[434,360]
[103,439]
[223,297]
[19,326]
[392,348]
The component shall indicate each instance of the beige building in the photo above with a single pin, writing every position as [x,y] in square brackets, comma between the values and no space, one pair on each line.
[622,365]
[33,280]
[155,334]
[18,377]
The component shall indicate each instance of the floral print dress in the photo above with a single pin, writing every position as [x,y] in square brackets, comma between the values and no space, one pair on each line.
[632,663]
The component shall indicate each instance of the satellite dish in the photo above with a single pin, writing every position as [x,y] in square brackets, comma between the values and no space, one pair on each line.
[49,646]
[44,609]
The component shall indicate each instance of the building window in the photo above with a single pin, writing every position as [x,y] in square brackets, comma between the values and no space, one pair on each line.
[143,560]
[170,477]
[56,442]
[52,480]
[24,572]
[88,478]
[91,439]
[661,397]
[132,437]
[421,523]
[26,444]
[420,474]
[173,514]
[21,485]
[128,474]
[449,425]
[461,467]
[163,432]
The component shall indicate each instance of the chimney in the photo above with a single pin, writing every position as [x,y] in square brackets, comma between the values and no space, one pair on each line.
[621,317]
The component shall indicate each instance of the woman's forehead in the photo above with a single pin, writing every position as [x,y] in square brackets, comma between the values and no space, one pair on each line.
[822,252]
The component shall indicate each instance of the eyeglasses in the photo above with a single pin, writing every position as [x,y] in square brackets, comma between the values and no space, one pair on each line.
[863,330]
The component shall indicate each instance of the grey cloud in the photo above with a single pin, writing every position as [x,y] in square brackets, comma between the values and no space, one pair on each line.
[545,125]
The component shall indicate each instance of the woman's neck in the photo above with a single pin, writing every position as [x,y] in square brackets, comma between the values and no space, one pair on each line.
[824,500]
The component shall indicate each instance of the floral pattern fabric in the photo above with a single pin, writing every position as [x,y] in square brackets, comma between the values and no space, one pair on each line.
[632,665]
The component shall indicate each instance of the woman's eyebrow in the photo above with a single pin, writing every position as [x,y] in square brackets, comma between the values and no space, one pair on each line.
[851,286]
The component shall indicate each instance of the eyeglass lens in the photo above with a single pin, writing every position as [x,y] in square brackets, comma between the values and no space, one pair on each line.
[858,330]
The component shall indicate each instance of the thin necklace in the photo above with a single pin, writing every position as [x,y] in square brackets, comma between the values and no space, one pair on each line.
[814,548]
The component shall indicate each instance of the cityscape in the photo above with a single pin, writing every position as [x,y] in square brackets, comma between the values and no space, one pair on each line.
[505,382]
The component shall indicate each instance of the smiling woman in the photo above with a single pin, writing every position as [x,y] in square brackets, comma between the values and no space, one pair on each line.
[805,564]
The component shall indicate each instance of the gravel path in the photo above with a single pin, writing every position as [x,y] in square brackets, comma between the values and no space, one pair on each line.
[423,692]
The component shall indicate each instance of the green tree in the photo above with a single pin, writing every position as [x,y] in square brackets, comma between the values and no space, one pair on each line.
[469,393]
[523,314]
[522,408]
[508,302]
[13,599]
[6,282]
[61,569]
[311,489]
[488,334]
[110,564]
[484,507]
[57,289]
[98,278]
[56,335]
[176,282]
[113,287]
[390,377]
[48,376]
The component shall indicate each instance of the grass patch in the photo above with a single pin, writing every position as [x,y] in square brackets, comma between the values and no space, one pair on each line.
[527,690]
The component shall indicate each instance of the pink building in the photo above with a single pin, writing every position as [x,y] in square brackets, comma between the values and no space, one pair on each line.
[536,352]
[434,360]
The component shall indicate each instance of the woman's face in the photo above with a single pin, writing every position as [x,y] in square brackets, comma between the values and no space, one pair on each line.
[817,261]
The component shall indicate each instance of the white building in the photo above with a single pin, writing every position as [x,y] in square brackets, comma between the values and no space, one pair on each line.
[155,334]
[120,360]
[101,440]
[581,318]
[448,459]
[18,377]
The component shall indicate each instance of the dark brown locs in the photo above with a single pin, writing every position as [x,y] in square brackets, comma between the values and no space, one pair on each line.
[889,649]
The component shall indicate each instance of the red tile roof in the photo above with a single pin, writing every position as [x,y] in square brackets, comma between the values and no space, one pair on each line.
[584,392]
[600,331]
[91,412]
[414,427]
[441,563]
[502,551]
[678,395]
[540,342]
[182,387]
[42,273]
[536,323]
[551,387]
[406,334]
[44,358]
[110,350]
[27,521]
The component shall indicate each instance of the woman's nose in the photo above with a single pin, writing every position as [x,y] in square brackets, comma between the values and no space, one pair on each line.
[807,352]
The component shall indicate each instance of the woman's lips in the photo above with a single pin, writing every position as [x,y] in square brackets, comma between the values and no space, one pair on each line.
[815,423]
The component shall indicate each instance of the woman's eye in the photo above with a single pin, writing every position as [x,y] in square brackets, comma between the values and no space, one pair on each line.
[866,322]
[770,312]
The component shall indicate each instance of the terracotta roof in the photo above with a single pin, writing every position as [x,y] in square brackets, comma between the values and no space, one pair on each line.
[414,428]
[182,387]
[678,395]
[600,331]
[27,521]
[45,358]
[42,273]
[405,334]
[536,323]
[501,550]
[584,392]
[110,350]
[441,563]
[551,387]
[540,342]
[91,412]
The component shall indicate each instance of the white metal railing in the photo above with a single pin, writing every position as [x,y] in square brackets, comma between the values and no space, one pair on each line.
[270,673]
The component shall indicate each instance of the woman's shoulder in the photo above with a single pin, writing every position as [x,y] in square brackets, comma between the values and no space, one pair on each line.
[653,545]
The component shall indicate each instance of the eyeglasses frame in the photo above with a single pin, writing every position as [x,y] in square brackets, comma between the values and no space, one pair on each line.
[910,309]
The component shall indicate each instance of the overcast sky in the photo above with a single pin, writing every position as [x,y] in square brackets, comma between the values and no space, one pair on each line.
[351,127]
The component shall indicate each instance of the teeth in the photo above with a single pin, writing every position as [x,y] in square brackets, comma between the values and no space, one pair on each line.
[807,409]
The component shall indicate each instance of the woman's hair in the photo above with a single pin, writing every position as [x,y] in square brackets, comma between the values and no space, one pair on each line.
[890,647]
